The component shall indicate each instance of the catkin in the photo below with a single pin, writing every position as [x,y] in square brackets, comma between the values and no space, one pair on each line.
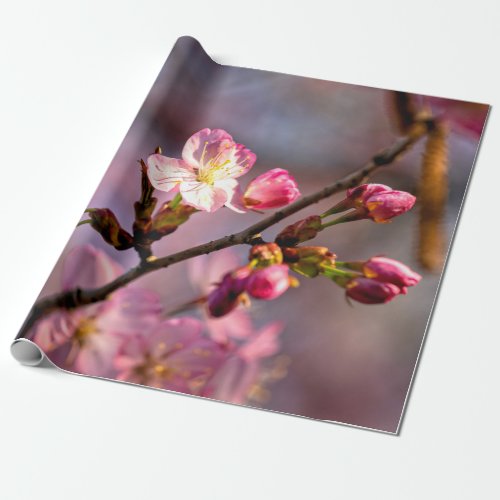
[432,196]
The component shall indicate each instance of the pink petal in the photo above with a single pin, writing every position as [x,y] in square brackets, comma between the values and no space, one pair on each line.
[214,153]
[87,267]
[236,202]
[233,381]
[209,140]
[235,325]
[166,173]
[96,355]
[175,333]
[129,310]
[54,330]
[264,344]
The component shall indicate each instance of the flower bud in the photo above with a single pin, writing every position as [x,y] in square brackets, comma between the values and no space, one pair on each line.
[268,283]
[355,197]
[358,195]
[372,201]
[390,271]
[368,291]
[273,189]
[309,261]
[223,299]
[266,254]
[106,224]
[168,219]
[381,207]
[303,230]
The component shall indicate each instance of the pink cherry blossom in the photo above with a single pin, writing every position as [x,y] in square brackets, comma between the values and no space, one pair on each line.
[172,355]
[206,174]
[390,271]
[243,370]
[369,291]
[268,283]
[87,338]
[272,189]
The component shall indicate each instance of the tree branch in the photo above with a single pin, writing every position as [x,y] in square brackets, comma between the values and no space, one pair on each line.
[78,297]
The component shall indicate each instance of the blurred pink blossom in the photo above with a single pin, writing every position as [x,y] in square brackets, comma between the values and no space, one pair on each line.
[242,370]
[87,338]
[467,118]
[172,355]
[206,174]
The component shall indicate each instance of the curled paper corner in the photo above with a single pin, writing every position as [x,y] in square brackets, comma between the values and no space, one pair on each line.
[27,352]
[190,46]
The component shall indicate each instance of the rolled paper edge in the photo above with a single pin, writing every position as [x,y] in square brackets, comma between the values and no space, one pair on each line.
[27,352]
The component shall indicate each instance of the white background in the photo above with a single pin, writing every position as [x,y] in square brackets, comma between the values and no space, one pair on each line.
[73,77]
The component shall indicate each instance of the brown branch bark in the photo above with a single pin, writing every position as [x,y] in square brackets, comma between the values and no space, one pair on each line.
[78,297]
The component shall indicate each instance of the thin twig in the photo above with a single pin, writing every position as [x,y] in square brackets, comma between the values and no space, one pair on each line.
[78,297]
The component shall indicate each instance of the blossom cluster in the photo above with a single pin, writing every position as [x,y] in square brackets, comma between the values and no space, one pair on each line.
[216,351]
[127,337]
[266,277]
[206,175]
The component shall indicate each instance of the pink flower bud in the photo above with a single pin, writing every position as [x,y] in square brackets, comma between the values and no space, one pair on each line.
[390,271]
[368,291]
[355,197]
[273,189]
[360,194]
[303,230]
[385,205]
[223,299]
[268,283]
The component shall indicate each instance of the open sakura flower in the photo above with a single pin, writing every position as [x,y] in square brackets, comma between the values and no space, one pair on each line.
[173,355]
[87,338]
[272,189]
[206,174]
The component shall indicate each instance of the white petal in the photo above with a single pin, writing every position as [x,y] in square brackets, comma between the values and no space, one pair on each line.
[167,173]
[234,195]
[203,196]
